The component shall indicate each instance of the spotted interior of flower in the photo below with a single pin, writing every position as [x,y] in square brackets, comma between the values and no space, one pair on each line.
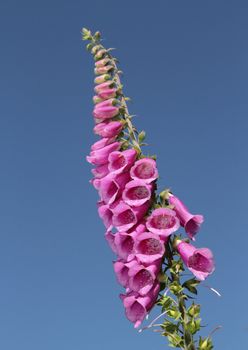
[163,221]
[139,192]
[144,171]
[122,276]
[192,226]
[127,245]
[112,189]
[136,312]
[150,246]
[200,263]
[126,217]
[142,279]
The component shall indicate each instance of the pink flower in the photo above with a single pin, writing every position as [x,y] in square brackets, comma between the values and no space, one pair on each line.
[107,93]
[106,85]
[103,69]
[97,99]
[136,193]
[199,261]
[120,161]
[110,238]
[101,143]
[110,129]
[102,62]
[111,186]
[141,278]
[125,217]
[124,243]
[148,248]
[144,169]
[106,215]
[107,103]
[106,112]
[100,156]
[100,171]
[102,78]
[121,269]
[190,222]
[163,221]
[137,306]
[100,53]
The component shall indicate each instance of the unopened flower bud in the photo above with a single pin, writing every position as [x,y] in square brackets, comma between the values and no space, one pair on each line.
[100,54]
[97,99]
[102,62]
[102,70]
[95,49]
[102,78]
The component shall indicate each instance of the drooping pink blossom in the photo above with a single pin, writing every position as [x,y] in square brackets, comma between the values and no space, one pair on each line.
[101,143]
[124,243]
[106,112]
[121,161]
[121,268]
[142,278]
[107,103]
[144,169]
[136,193]
[137,306]
[199,261]
[100,171]
[102,62]
[107,93]
[190,222]
[106,85]
[106,215]
[103,69]
[125,217]
[111,186]
[163,221]
[149,248]
[100,157]
[108,129]
[110,238]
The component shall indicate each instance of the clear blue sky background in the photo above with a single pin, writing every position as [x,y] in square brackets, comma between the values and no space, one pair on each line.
[185,65]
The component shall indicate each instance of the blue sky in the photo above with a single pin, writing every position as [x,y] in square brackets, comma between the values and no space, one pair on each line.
[185,67]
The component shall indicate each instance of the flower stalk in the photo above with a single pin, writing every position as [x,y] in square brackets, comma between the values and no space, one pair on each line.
[141,225]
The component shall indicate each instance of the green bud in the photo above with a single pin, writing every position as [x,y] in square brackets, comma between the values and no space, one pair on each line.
[141,136]
[97,99]
[173,313]
[194,310]
[95,49]
[102,78]
[89,46]
[97,35]
[194,325]
[99,54]
[175,288]
[164,195]
[86,34]
[205,344]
